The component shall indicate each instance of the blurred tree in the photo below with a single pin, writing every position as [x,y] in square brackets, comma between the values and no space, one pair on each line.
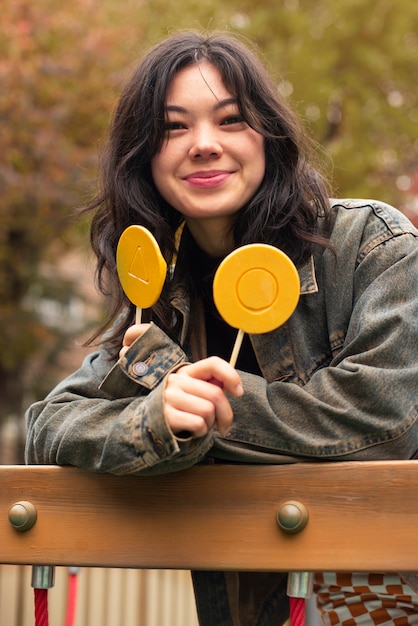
[351,71]
[348,67]
[53,105]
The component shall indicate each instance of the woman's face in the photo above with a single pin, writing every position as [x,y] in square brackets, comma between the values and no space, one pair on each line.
[211,162]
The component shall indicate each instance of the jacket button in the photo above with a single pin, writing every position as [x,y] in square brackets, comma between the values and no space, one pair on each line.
[140,368]
[157,443]
[159,448]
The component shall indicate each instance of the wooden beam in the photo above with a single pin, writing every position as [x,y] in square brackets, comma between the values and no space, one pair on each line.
[362,517]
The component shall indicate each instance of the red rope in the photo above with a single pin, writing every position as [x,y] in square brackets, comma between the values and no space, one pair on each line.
[297,611]
[71,599]
[41,607]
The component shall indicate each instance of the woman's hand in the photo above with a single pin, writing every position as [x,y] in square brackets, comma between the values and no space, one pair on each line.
[131,335]
[194,404]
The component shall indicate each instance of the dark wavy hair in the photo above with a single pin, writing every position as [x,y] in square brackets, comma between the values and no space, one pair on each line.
[285,209]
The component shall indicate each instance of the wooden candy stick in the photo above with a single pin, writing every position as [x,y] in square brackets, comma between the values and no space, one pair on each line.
[141,267]
[256,289]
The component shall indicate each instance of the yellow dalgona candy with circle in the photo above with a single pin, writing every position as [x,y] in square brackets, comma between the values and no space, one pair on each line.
[256,288]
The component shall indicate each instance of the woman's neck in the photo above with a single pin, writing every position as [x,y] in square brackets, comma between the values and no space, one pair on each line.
[212,235]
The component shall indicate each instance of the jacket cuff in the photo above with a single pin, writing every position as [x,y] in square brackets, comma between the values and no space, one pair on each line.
[144,364]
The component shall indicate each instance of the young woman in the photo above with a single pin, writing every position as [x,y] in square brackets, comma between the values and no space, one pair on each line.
[204,152]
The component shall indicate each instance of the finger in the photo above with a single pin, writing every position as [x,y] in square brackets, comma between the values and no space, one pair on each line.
[184,410]
[123,351]
[200,398]
[183,422]
[191,396]
[218,369]
[133,333]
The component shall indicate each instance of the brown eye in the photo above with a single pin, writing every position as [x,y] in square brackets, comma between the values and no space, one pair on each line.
[233,119]
[173,126]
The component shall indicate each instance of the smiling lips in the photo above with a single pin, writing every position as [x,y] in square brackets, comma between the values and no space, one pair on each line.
[207,179]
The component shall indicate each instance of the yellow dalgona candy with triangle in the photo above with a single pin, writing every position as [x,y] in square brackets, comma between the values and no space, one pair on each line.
[141,266]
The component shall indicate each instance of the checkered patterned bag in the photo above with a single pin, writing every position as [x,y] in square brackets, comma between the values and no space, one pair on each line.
[362,599]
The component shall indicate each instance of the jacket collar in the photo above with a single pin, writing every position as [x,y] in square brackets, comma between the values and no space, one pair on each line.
[307,277]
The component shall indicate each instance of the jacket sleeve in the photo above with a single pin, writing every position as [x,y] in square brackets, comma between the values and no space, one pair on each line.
[108,417]
[363,405]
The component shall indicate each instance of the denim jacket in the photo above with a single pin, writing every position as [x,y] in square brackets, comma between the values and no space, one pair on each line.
[339,378]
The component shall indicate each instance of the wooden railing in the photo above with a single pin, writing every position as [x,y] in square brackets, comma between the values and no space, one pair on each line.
[359,517]
[362,516]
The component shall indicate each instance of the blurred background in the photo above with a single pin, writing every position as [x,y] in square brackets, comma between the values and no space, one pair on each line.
[348,67]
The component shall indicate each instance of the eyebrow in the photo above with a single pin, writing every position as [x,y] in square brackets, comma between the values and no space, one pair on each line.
[219,105]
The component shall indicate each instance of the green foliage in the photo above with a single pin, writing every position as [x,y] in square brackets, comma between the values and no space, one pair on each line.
[53,109]
[348,67]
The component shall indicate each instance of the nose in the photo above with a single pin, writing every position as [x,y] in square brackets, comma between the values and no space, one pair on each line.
[205,144]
